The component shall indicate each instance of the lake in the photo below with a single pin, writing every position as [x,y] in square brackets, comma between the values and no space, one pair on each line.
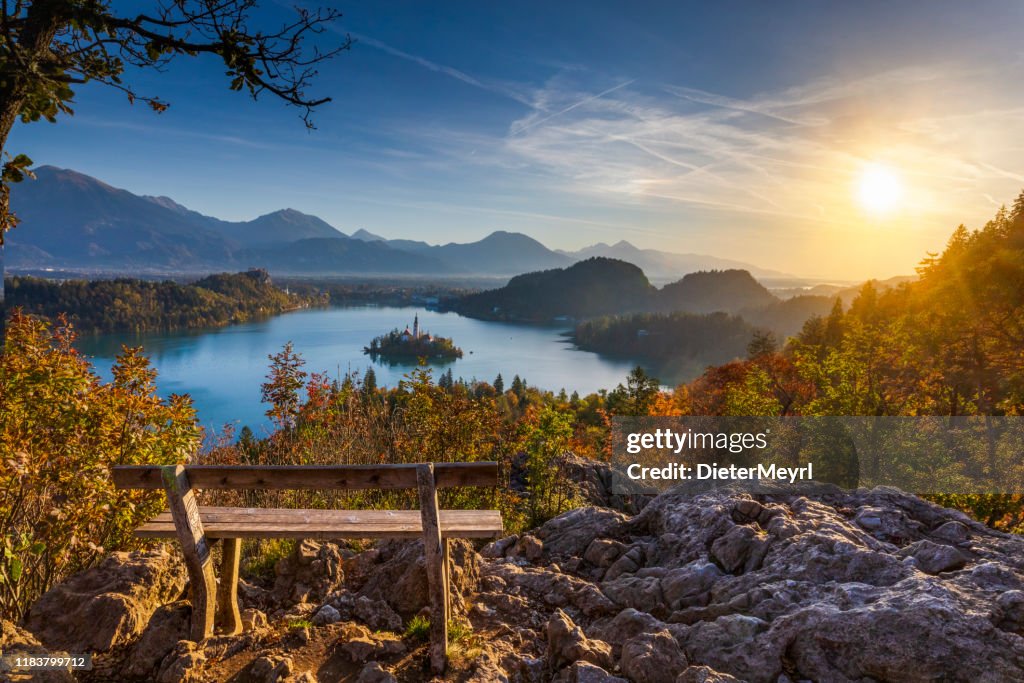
[223,368]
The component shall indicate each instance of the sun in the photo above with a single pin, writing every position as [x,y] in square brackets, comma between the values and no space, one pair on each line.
[880,189]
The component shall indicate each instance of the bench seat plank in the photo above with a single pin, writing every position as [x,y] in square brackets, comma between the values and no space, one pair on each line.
[306,477]
[230,522]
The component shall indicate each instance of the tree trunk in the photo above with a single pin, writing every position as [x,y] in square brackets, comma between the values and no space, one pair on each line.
[34,43]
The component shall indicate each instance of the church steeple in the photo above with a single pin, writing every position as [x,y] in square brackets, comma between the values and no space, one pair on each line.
[416,327]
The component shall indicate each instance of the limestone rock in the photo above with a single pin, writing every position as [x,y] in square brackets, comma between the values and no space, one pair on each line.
[935,558]
[377,614]
[108,605]
[183,664]
[705,674]
[166,627]
[602,552]
[570,533]
[373,672]
[15,641]
[253,619]
[400,577]
[326,614]
[530,547]
[652,657]
[309,574]
[568,644]
[585,672]
[270,668]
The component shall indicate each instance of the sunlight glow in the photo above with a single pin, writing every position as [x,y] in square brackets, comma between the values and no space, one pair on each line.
[880,188]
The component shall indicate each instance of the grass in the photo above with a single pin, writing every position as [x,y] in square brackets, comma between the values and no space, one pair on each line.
[418,628]
[300,623]
[269,551]
[458,631]
[463,644]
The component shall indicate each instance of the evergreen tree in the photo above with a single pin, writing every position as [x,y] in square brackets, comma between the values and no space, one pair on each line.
[763,343]
[370,382]
[281,390]
[637,397]
[499,384]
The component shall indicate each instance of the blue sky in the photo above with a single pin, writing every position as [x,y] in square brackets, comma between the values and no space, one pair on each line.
[740,129]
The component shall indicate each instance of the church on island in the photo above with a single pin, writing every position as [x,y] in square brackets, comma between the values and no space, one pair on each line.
[414,335]
[412,344]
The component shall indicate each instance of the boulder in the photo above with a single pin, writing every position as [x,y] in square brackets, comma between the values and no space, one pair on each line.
[571,532]
[585,672]
[652,658]
[16,641]
[373,672]
[310,573]
[183,665]
[326,614]
[168,625]
[254,619]
[270,668]
[108,605]
[705,674]
[400,579]
[740,549]
[568,644]
[530,547]
[935,558]
[377,614]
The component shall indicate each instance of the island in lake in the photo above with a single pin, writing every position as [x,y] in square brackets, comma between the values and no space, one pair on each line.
[414,343]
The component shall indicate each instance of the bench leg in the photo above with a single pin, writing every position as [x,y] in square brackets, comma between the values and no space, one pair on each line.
[446,574]
[194,547]
[433,548]
[229,621]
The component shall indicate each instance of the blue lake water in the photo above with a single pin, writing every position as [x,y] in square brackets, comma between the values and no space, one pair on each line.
[223,368]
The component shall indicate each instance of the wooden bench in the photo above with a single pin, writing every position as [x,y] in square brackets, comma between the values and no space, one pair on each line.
[197,528]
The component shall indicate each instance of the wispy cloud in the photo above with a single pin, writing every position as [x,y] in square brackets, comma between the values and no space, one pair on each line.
[503,89]
[794,153]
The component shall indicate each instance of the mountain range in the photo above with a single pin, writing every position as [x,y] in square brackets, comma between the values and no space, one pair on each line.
[70,220]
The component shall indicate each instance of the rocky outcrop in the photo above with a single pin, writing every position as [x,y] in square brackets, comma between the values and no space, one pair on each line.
[168,625]
[311,572]
[108,605]
[398,575]
[726,586]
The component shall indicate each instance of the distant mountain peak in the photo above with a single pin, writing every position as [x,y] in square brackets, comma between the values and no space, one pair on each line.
[366,236]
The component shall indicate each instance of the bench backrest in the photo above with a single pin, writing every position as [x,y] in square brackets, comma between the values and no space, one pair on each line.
[240,477]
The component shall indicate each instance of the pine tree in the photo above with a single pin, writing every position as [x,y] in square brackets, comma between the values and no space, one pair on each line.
[281,390]
[370,382]
[762,344]
[499,384]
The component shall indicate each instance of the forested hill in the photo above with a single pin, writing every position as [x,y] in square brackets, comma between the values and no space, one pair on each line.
[141,305]
[603,286]
[597,286]
[716,290]
[711,338]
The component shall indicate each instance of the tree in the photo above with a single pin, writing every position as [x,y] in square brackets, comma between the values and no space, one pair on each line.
[763,343]
[637,397]
[61,429]
[281,390]
[48,46]
[499,384]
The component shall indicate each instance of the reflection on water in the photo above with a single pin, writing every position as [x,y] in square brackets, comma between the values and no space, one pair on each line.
[223,368]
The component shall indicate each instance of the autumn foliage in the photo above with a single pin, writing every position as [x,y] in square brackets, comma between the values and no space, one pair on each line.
[61,428]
